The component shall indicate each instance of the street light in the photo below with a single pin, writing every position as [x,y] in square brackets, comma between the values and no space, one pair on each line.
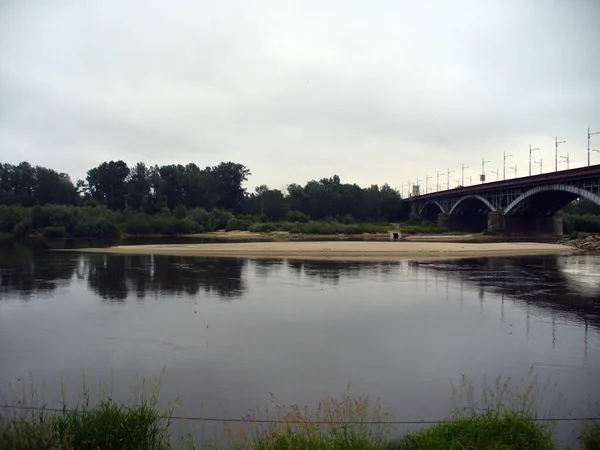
[458,182]
[504,165]
[470,178]
[438,180]
[556,144]
[427,177]
[566,158]
[540,163]
[448,177]
[497,172]
[589,136]
[483,161]
[515,169]
[463,173]
[531,150]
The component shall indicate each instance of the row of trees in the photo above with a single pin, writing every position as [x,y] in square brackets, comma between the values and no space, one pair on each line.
[151,189]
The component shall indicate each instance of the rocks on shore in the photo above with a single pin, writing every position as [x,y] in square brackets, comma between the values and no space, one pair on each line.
[590,243]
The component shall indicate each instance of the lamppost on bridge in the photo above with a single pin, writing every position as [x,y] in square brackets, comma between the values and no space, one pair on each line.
[566,158]
[437,181]
[556,144]
[540,163]
[589,136]
[448,177]
[483,161]
[463,174]
[504,165]
[531,150]
[515,169]
[497,172]
[427,177]
[470,178]
[458,182]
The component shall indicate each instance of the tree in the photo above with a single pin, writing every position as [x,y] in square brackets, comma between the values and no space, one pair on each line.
[138,188]
[107,183]
[229,177]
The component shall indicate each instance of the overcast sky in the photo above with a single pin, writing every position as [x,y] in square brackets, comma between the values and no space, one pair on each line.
[374,91]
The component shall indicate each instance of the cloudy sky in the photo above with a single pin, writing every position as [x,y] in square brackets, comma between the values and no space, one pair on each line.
[374,91]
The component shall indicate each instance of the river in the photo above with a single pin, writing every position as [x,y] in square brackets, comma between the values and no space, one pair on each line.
[228,334]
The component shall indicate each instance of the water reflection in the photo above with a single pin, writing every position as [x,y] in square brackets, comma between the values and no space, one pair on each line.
[570,285]
[27,273]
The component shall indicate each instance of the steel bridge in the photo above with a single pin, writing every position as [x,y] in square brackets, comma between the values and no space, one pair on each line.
[520,205]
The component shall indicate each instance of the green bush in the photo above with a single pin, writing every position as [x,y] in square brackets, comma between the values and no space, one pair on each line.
[10,216]
[55,232]
[138,224]
[219,218]
[588,223]
[180,212]
[296,216]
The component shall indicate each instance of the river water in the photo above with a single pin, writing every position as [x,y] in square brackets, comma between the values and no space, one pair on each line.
[227,334]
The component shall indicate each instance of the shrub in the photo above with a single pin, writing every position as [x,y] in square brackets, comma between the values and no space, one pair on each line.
[296,216]
[138,224]
[180,212]
[10,216]
[55,232]
[220,218]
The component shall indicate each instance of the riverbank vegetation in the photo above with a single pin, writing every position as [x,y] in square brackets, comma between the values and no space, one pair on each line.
[178,199]
[502,415]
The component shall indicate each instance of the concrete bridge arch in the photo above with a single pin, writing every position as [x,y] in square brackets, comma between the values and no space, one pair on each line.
[471,197]
[572,193]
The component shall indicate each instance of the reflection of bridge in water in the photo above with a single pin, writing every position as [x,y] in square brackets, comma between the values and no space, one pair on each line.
[542,284]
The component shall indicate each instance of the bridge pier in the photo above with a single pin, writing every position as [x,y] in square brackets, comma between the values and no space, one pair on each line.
[495,221]
[443,220]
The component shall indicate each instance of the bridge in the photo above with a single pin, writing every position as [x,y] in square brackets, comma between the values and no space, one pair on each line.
[527,205]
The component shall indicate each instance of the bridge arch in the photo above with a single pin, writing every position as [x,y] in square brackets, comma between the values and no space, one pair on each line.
[430,203]
[472,197]
[569,193]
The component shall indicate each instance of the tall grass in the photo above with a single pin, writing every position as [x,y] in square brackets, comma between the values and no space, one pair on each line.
[336,423]
[500,414]
[100,423]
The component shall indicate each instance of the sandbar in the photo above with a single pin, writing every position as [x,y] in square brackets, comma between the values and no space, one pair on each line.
[343,250]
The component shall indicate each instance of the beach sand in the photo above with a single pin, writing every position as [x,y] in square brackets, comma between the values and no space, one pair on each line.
[343,250]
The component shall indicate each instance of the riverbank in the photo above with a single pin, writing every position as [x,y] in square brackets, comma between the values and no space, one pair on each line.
[342,250]
[590,243]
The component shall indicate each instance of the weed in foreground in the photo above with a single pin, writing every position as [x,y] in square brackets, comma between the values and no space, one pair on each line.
[336,423]
[492,430]
[100,424]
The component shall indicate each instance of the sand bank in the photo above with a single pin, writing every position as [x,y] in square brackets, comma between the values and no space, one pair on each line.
[340,250]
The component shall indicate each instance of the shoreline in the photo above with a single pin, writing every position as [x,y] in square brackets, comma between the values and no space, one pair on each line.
[343,250]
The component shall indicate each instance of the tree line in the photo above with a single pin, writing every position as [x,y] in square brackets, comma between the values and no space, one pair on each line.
[151,189]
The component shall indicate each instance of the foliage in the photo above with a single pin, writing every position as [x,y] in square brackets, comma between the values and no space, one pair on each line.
[93,424]
[590,438]
[588,223]
[317,227]
[423,227]
[489,430]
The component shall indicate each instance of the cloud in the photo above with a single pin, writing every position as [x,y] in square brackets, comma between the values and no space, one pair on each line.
[375,92]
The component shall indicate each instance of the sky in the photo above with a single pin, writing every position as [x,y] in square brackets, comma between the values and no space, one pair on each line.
[373,91]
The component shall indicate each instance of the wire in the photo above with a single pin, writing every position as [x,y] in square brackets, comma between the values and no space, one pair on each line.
[325,422]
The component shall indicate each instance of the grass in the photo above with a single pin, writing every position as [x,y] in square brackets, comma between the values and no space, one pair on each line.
[498,415]
[100,424]
[590,438]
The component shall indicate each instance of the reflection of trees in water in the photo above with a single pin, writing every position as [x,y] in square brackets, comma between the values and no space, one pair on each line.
[537,281]
[114,277]
[333,271]
[26,272]
[29,272]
